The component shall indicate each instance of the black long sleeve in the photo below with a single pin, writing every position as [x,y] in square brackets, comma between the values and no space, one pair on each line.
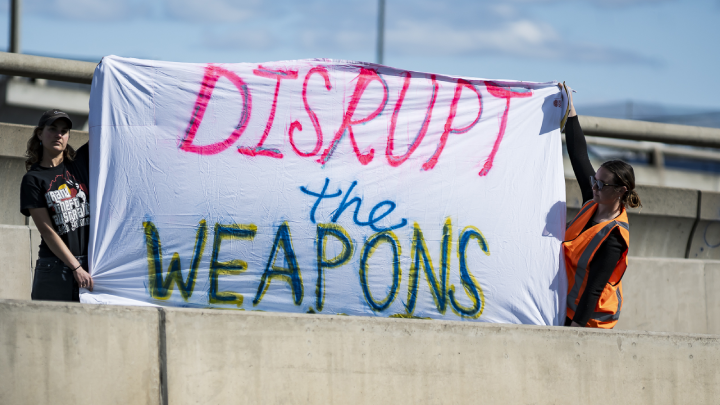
[577,150]
[82,156]
[610,251]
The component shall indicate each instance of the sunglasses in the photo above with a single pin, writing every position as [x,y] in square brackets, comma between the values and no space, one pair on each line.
[599,183]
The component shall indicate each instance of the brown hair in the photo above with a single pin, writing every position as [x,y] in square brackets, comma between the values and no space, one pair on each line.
[34,152]
[624,176]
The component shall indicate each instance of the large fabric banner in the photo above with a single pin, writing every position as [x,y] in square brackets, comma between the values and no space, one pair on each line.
[328,187]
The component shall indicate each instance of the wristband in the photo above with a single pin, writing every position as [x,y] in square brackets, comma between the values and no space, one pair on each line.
[75,269]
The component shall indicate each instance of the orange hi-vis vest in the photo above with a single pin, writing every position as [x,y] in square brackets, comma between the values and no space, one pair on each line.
[579,249]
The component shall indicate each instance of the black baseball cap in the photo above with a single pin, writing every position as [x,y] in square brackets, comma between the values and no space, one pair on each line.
[50,116]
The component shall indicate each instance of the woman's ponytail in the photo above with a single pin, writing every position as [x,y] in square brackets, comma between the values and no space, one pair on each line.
[631,199]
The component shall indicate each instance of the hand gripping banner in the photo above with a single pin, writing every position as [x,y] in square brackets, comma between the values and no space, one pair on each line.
[328,187]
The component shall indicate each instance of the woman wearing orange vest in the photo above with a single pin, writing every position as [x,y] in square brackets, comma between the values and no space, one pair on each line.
[597,239]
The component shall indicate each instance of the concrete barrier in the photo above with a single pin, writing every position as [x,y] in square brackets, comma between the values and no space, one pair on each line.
[15,262]
[72,353]
[12,171]
[57,353]
[705,243]
[712,296]
[282,358]
[678,295]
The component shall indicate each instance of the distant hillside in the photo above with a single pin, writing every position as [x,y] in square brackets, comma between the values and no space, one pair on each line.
[653,112]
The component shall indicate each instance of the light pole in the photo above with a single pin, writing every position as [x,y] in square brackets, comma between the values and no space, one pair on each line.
[15,8]
[380,32]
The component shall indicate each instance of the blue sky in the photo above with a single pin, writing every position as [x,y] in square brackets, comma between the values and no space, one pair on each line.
[656,51]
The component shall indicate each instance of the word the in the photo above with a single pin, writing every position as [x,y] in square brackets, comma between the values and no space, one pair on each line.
[344,204]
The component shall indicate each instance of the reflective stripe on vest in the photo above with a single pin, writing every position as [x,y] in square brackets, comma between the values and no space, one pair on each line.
[604,316]
[579,214]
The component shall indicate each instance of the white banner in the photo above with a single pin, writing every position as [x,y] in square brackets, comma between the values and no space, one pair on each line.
[326,186]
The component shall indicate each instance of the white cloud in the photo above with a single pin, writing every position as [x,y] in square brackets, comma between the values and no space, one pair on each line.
[212,10]
[241,39]
[96,10]
[602,3]
[183,10]
[519,38]
[315,25]
[627,3]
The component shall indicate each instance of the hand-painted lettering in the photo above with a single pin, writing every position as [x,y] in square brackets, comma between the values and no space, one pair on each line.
[319,196]
[420,257]
[212,74]
[398,160]
[365,77]
[232,267]
[321,70]
[162,288]
[500,92]
[461,83]
[368,249]
[357,201]
[290,274]
[278,75]
[338,232]
[471,286]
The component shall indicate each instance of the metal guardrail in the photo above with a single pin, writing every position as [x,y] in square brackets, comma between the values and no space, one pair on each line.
[82,72]
[650,131]
[653,147]
[40,67]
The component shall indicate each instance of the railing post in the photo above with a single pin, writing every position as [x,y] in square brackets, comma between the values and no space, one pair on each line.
[15,24]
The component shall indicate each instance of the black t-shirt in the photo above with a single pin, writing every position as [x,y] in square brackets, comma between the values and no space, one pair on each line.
[63,191]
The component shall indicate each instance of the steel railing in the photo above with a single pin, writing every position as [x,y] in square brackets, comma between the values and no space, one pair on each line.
[40,67]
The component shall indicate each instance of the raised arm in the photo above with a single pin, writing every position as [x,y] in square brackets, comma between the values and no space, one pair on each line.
[577,150]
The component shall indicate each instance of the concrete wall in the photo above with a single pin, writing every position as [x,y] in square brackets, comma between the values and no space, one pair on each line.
[78,354]
[75,354]
[15,262]
[673,295]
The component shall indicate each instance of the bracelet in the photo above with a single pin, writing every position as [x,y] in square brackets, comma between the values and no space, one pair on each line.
[75,269]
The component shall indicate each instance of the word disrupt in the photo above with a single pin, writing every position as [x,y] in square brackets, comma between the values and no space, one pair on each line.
[365,77]
[161,285]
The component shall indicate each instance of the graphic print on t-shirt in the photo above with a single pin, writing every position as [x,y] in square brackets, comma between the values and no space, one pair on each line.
[68,203]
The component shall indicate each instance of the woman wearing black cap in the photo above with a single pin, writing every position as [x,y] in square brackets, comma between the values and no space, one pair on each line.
[54,192]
